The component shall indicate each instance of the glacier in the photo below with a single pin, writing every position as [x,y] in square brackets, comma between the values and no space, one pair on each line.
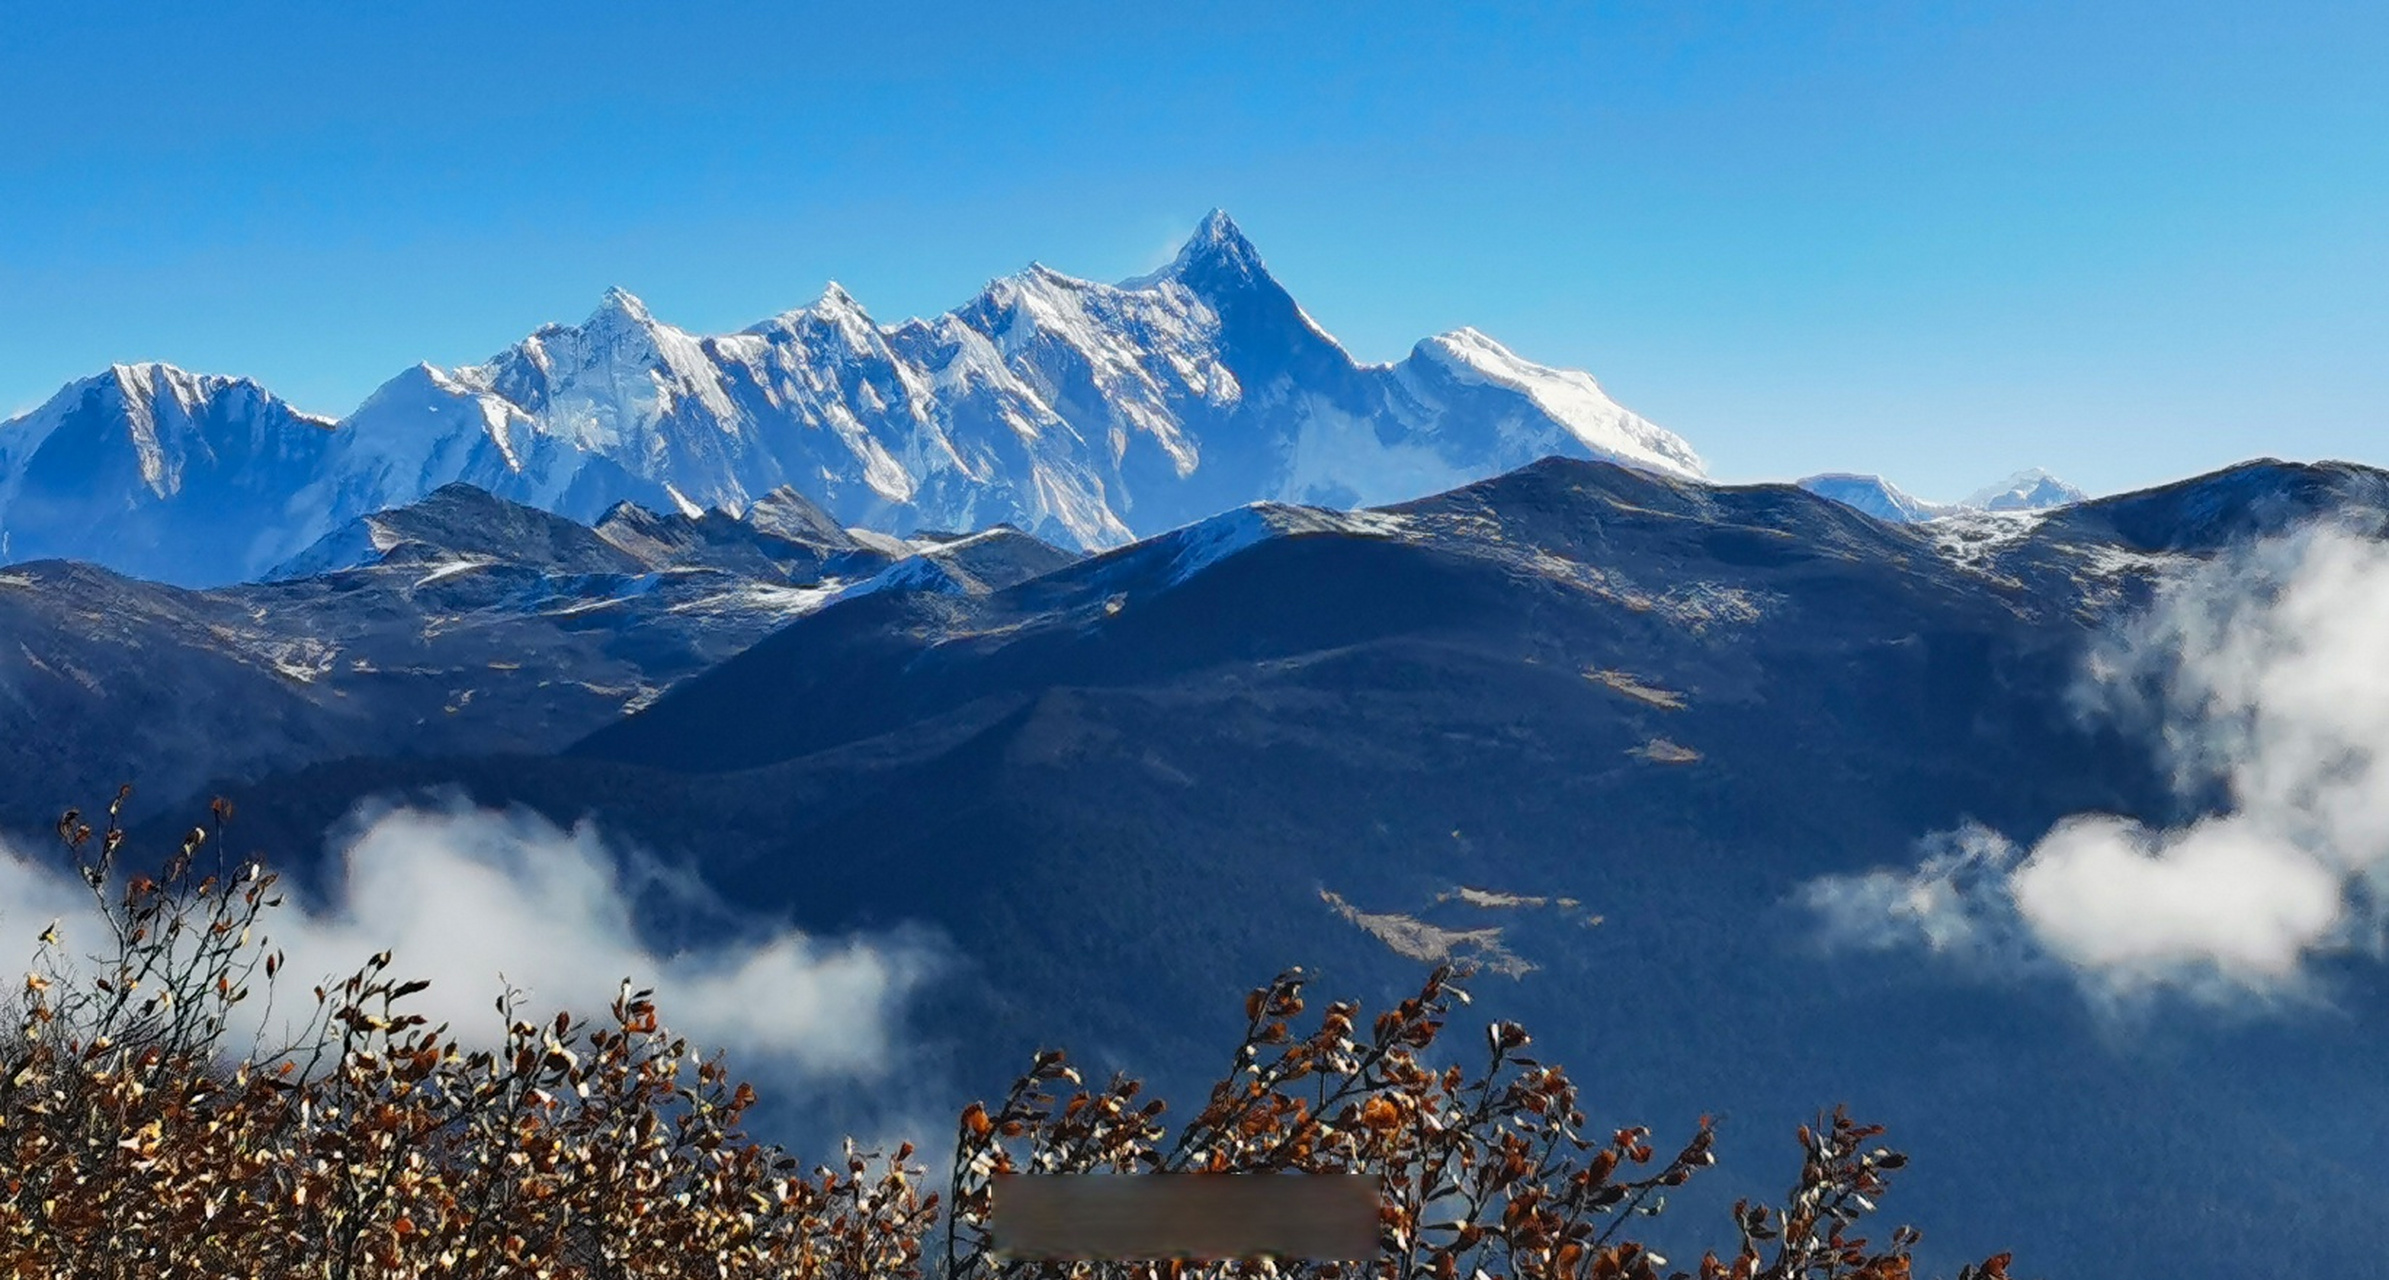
[1085,414]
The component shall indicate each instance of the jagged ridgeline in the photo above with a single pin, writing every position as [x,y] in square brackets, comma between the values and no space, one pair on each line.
[1085,414]
[461,622]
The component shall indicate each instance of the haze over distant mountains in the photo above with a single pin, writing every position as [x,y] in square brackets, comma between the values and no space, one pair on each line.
[1084,413]
[2029,490]
[461,622]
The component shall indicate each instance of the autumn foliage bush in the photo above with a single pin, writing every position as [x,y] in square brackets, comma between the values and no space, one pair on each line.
[144,1134]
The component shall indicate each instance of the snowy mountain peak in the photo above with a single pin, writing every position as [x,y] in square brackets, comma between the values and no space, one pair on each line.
[150,385]
[1215,259]
[1087,414]
[618,309]
[1569,397]
[1217,243]
[1474,347]
[843,313]
[1217,228]
[156,471]
[150,381]
[1873,495]
[147,396]
[2031,489]
[835,309]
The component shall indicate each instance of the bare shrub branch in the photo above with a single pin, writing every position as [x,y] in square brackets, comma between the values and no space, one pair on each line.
[137,1142]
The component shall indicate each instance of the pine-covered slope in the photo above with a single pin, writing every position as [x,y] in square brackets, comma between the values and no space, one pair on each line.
[1132,787]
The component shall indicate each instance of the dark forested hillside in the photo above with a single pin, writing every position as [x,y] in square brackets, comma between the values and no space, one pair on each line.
[1630,716]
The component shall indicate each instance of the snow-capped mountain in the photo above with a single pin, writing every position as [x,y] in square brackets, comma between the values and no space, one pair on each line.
[157,473]
[2030,490]
[1873,495]
[1086,414]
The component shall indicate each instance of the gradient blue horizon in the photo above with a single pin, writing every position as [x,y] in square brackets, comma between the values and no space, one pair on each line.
[1937,242]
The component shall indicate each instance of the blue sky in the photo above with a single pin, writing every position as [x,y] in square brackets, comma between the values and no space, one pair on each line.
[2127,242]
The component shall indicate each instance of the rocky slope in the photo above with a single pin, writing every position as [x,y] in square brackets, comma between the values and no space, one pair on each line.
[460,623]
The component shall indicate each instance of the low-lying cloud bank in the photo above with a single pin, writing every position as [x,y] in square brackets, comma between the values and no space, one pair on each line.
[2263,680]
[463,896]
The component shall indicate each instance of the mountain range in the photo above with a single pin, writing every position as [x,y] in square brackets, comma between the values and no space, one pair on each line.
[2030,490]
[1140,642]
[461,622]
[1593,727]
[1085,414]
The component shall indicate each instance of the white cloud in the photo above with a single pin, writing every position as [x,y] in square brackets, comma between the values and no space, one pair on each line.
[2108,895]
[2263,678]
[464,895]
[1955,902]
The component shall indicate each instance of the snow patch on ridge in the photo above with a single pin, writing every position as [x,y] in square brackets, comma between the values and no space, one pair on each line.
[1974,540]
[1203,545]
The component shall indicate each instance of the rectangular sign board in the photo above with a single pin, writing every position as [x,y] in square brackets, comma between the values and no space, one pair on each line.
[1204,1216]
